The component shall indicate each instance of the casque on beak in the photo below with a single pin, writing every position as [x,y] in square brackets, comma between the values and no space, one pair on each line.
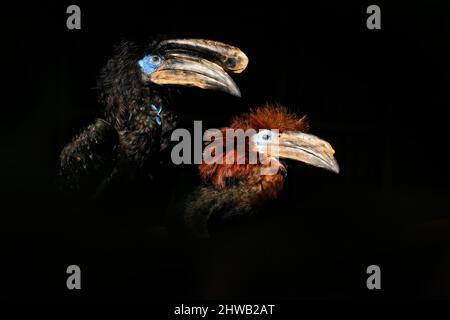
[199,63]
[306,148]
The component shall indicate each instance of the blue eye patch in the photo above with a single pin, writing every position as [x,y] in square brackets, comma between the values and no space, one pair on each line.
[150,63]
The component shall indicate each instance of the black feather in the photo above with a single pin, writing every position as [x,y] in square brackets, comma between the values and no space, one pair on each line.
[125,146]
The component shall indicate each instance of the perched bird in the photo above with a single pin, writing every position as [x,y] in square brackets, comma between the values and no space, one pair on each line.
[241,187]
[136,86]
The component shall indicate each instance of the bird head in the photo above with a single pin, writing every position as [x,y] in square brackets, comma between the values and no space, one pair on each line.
[278,135]
[140,75]
[281,134]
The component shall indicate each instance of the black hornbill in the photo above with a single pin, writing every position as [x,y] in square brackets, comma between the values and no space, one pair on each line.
[137,86]
[240,188]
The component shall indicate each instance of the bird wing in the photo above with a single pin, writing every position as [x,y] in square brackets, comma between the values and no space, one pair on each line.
[88,159]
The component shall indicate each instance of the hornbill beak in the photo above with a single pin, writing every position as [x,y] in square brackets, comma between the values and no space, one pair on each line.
[199,63]
[307,148]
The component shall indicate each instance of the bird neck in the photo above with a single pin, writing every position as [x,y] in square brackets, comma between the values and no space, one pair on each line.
[147,128]
[254,187]
[257,182]
[125,93]
[263,188]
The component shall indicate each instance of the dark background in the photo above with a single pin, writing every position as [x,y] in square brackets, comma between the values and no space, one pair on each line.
[380,97]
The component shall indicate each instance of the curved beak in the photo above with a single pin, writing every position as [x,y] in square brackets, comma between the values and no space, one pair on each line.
[307,148]
[200,63]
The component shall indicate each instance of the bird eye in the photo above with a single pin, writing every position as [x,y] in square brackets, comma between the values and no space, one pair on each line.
[154,59]
[263,137]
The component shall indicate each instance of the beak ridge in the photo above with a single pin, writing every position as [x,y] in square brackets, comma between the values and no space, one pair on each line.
[200,63]
[230,58]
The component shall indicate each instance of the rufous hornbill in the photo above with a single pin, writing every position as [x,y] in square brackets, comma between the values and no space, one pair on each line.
[232,189]
[136,86]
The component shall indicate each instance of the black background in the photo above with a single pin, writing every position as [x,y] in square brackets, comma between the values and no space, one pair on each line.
[380,97]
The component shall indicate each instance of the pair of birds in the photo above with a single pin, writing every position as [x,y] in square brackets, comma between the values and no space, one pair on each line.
[137,87]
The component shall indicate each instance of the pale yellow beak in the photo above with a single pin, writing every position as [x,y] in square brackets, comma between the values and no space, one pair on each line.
[306,148]
[200,63]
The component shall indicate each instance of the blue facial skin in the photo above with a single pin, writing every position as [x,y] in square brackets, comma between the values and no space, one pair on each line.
[150,63]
